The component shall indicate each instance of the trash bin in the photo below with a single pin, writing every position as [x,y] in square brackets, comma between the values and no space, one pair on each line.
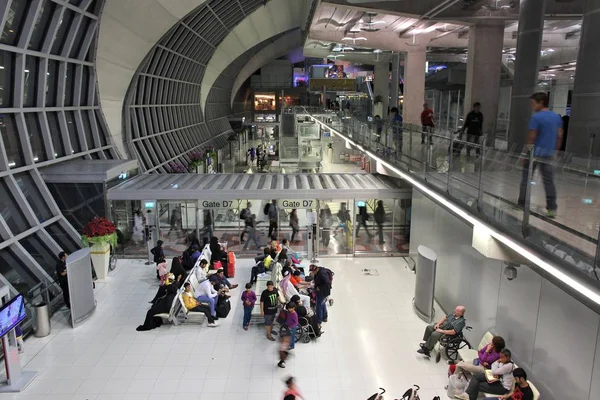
[42,319]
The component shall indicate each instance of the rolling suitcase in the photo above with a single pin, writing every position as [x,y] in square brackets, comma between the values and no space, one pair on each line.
[231,264]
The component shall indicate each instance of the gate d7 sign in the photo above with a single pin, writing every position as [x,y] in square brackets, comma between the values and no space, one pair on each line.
[299,204]
[218,204]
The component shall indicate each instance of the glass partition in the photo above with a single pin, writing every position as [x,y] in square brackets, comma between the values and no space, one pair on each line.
[335,225]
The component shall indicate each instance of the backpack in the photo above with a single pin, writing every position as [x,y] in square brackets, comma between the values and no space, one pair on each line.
[243,214]
[281,317]
[330,274]
[267,208]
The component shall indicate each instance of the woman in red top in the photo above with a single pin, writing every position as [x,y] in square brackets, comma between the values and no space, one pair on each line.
[292,392]
[427,122]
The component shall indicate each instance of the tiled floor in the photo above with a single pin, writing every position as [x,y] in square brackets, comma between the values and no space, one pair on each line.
[369,341]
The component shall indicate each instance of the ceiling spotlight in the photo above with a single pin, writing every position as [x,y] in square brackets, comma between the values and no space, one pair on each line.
[354,38]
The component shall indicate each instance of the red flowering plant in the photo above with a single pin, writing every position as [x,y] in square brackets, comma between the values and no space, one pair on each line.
[99,231]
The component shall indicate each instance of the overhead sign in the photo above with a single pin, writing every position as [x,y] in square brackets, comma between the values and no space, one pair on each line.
[299,204]
[218,204]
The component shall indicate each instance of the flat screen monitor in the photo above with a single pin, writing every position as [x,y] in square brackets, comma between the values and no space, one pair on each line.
[11,314]
[361,204]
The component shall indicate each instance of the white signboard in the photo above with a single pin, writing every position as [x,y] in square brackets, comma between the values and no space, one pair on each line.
[218,204]
[298,204]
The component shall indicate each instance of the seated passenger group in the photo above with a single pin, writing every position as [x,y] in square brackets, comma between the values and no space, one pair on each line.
[492,372]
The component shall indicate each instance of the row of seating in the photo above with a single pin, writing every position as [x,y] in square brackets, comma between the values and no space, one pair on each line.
[178,312]
[467,354]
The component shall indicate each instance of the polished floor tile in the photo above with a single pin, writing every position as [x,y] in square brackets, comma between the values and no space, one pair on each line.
[369,342]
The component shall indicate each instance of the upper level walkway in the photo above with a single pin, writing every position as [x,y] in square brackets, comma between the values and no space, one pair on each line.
[487,189]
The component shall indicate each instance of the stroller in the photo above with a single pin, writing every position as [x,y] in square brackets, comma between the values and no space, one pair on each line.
[410,394]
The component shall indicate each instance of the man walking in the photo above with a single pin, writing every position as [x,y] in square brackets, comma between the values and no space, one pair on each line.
[545,135]
[427,123]
[273,214]
[397,129]
[474,127]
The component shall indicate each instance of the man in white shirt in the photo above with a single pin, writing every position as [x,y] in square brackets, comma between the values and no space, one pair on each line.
[206,293]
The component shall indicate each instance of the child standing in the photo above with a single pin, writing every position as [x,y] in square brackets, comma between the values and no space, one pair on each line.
[248,300]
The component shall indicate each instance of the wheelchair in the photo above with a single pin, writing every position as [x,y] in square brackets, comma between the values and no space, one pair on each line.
[452,344]
[304,332]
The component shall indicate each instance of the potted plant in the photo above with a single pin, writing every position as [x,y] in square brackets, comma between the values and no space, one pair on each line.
[100,234]
[197,157]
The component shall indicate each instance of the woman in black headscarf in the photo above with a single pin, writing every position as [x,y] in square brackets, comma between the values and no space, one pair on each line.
[161,306]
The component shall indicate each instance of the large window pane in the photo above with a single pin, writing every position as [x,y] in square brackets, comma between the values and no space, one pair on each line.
[60,235]
[63,30]
[41,25]
[11,211]
[57,141]
[31,72]
[19,276]
[12,142]
[34,196]
[75,145]
[6,78]
[40,252]
[16,17]
[83,27]
[85,85]
[35,137]
[51,83]
[87,127]
[69,84]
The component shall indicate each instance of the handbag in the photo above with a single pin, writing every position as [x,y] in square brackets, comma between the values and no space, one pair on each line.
[217,265]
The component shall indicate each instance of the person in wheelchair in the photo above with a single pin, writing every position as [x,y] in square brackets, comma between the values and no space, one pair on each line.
[450,325]
[307,322]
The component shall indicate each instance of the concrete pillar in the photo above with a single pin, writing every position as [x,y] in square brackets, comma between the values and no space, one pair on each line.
[529,45]
[559,96]
[585,101]
[381,87]
[394,92]
[414,85]
[484,66]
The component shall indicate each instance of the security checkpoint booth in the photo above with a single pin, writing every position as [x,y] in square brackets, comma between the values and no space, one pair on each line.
[330,210]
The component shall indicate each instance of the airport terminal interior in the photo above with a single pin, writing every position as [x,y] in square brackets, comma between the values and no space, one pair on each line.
[398,182]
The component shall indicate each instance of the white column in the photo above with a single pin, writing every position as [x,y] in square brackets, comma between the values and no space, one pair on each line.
[414,85]
[559,96]
[395,80]
[381,87]
[484,66]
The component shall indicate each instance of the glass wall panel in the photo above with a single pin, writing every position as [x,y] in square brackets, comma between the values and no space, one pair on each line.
[176,225]
[35,136]
[31,73]
[15,272]
[38,249]
[34,196]
[12,141]
[42,24]
[11,211]
[14,21]
[335,227]
[6,78]
[60,236]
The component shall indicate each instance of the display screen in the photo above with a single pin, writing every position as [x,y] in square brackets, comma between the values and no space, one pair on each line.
[11,314]
[361,204]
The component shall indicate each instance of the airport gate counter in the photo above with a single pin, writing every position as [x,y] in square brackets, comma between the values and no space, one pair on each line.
[328,212]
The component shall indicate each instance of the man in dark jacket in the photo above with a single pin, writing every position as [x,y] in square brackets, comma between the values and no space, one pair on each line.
[61,272]
[323,288]
[380,219]
[474,127]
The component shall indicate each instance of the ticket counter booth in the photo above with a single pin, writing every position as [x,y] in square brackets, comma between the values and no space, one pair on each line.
[319,214]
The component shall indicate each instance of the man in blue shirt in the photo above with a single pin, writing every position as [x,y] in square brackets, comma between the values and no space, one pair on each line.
[545,134]
[397,129]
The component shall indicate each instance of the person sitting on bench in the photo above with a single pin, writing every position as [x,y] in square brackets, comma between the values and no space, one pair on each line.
[193,305]
[206,293]
[449,325]
[220,279]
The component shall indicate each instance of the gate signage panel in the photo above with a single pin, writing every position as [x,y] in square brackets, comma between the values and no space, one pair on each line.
[218,204]
[299,204]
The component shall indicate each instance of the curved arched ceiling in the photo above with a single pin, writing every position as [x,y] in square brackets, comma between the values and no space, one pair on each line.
[160,70]
[277,17]
[128,31]
[277,48]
